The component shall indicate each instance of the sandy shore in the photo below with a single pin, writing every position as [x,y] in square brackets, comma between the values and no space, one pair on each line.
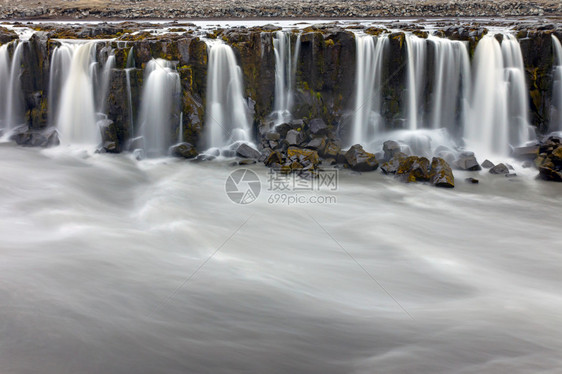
[149,9]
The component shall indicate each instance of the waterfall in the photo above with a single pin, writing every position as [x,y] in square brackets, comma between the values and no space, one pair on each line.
[12,104]
[180,129]
[451,84]
[130,102]
[367,122]
[416,60]
[108,66]
[556,112]
[518,95]
[499,107]
[4,82]
[160,103]
[285,74]
[131,59]
[58,73]
[227,115]
[76,118]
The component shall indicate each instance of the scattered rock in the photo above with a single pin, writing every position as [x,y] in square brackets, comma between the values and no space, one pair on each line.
[317,144]
[274,157]
[185,150]
[499,169]
[390,148]
[303,156]
[414,169]
[391,166]
[246,151]
[282,129]
[467,161]
[441,174]
[331,150]
[472,180]
[487,164]
[294,137]
[360,160]
[272,136]
[317,126]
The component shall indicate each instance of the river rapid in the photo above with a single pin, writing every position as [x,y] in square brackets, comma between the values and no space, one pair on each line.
[111,265]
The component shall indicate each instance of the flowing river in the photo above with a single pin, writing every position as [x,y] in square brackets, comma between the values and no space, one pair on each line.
[111,265]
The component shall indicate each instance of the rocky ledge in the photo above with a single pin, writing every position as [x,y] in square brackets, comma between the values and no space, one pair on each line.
[150,9]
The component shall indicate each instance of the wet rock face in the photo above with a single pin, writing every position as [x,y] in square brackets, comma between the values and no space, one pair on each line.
[7,36]
[28,137]
[549,161]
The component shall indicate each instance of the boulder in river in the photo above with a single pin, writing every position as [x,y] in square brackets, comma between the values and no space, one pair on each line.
[487,164]
[390,148]
[185,150]
[361,160]
[414,169]
[441,174]
[499,169]
[36,138]
[467,161]
[246,151]
[392,165]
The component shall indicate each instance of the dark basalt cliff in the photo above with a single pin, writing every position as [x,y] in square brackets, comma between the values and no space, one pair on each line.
[324,79]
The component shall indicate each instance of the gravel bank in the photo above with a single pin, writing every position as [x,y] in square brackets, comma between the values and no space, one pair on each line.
[149,9]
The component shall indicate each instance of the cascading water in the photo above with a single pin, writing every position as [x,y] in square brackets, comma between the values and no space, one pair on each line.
[518,94]
[451,85]
[416,61]
[556,112]
[499,98]
[131,59]
[129,100]
[76,118]
[367,122]
[159,106]
[4,82]
[227,116]
[108,66]
[12,111]
[58,73]
[286,60]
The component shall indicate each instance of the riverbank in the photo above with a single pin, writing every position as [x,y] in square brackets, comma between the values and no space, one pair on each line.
[176,9]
